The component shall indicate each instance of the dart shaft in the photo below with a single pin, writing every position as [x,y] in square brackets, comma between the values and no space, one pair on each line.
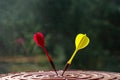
[66,67]
[53,66]
[50,60]
[46,52]
[70,60]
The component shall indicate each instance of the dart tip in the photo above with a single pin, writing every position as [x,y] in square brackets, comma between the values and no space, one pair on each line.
[53,66]
[66,67]
[56,72]
[63,73]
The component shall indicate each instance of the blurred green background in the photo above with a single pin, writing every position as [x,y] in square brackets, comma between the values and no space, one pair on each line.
[60,21]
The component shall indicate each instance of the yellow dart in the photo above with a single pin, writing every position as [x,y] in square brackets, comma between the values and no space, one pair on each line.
[81,41]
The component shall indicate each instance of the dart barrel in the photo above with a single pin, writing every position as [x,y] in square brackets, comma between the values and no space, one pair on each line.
[69,75]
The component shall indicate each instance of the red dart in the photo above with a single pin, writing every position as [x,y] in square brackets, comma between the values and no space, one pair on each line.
[39,39]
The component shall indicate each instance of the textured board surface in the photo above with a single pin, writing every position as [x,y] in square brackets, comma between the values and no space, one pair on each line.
[69,75]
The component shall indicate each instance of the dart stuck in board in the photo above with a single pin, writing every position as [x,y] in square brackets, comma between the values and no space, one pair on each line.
[39,40]
[81,41]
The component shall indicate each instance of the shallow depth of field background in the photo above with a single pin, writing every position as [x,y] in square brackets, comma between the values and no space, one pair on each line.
[60,21]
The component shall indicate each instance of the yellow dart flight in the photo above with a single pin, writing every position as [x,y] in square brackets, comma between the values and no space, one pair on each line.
[81,41]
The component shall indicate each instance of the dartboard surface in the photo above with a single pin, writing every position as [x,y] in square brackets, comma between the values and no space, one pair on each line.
[68,75]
